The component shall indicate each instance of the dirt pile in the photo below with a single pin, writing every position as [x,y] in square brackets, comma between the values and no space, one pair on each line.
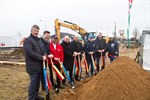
[124,79]
[17,52]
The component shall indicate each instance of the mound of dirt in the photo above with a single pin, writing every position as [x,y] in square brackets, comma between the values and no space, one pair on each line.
[17,52]
[124,79]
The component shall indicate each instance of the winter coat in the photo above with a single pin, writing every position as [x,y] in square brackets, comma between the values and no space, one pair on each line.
[113,48]
[46,45]
[76,46]
[90,46]
[58,52]
[34,52]
[68,55]
[101,44]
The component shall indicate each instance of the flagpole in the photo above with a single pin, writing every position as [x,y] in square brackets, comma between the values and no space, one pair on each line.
[128,29]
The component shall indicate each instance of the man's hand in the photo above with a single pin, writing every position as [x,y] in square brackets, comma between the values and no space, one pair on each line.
[50,56]
[101,50]
[75,54]
[91,53]
[57,59]
[79,53]
[44,58]
[83,55]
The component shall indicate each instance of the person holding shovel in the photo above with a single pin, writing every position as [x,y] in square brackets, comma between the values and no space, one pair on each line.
[46,40]
[68,59]
[100,54]
[34,57]
[90,50]
[112,48]
[77,51]
[58,56]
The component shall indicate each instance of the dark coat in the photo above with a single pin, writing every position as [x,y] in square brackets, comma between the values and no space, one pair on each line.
[89,47]
[46,45]
[34,51]
[113,48]
[101,44]
[76,46]
[68,55]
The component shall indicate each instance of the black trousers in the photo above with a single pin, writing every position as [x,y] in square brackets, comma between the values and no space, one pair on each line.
[34,86]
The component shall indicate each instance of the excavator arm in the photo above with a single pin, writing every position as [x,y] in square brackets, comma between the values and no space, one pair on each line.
[69,25]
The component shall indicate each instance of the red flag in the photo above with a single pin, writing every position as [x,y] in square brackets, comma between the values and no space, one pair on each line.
[130,1]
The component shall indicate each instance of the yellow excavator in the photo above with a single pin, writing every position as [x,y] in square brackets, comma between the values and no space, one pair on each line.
[84,34]
[71,26]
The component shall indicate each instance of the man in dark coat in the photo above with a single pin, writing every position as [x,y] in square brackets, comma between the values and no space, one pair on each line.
[90,49]
[77,51]
[68,58]
[46,41]
[100,54]
[112,49]
[34,57]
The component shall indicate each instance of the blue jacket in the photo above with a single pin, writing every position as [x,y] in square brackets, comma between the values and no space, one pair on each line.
[34,51]
[113,48]
[89,47]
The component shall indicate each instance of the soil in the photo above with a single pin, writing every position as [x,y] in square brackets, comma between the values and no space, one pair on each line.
[16,54]
[124,79]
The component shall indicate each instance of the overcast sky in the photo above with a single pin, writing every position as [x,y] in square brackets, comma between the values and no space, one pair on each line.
[17,16]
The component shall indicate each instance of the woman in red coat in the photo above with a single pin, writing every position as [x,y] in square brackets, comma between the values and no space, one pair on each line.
[57,52]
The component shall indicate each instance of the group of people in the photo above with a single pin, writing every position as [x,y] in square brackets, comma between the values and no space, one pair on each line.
[39,50]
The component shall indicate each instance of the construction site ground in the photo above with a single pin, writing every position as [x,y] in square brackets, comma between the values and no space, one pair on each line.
[14,80]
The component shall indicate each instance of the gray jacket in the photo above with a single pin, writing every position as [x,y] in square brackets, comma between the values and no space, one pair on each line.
[34,50]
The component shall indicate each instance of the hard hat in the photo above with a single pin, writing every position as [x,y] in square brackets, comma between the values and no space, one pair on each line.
[90,36]
[79,38]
